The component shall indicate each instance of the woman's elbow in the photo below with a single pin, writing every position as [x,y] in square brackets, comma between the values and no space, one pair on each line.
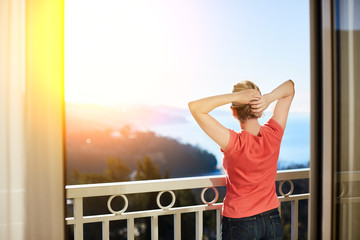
[191,106]
[292,87]
[195,108]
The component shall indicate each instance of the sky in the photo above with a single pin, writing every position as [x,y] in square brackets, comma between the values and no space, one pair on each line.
[170,52]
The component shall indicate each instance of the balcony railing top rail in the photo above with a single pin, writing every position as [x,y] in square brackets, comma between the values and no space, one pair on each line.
[104,189]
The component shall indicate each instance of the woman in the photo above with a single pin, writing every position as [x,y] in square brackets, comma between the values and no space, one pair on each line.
[250,157]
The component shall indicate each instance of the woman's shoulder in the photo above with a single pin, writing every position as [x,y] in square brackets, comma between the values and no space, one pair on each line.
[274,127]
[234,142]
[272,123]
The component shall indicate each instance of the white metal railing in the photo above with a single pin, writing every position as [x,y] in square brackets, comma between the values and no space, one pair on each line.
[76,193]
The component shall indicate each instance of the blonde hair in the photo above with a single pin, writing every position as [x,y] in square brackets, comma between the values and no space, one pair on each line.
[243,111]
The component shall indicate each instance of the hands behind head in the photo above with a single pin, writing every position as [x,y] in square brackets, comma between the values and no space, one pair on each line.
[246,97]
[259,104]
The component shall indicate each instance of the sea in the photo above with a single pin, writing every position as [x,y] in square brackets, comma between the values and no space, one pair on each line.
[295,146]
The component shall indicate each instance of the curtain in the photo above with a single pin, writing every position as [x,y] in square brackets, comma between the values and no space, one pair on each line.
[32,119]
[12,148]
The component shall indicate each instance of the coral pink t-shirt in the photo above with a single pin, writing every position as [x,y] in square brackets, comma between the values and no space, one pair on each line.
[250,163]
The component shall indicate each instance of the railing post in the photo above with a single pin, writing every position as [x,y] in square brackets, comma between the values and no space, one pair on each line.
[177,226]
[294,219]
[78,216]
[199,225]
[218,224]
[105,230]
[130,229]
[154,228]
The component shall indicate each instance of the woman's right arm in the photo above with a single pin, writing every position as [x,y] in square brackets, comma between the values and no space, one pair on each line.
[200,110]
[284,95]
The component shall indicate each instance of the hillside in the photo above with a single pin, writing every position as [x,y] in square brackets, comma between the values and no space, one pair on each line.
[96,134]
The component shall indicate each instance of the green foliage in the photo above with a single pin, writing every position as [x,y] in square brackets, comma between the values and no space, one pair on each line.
[147,170]
[80,178]
[116,171]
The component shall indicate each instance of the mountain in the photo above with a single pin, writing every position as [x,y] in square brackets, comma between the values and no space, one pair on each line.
[95,134]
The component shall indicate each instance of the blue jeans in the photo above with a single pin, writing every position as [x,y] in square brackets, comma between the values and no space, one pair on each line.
[266,225]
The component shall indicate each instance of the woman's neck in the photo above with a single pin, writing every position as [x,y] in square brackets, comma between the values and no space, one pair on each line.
[252,126]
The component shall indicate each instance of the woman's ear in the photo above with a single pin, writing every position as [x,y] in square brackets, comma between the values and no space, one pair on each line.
[233,111]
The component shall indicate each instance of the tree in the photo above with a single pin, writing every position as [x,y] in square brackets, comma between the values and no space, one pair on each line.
[147,170]
[117,171]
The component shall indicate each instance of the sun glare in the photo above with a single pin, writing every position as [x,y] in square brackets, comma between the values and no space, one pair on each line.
[118,53]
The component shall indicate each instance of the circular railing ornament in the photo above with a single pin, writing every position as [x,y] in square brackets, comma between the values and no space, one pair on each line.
[126,204]
[168,206]
[215,198]
[291,188]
